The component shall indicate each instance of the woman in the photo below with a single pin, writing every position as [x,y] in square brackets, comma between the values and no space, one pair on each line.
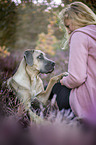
[78,89]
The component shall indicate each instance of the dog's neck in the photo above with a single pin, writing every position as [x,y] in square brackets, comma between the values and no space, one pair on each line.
[25,75]
[32,72]
[36,84]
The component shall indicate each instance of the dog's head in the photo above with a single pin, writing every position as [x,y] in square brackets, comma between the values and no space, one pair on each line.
[37,60]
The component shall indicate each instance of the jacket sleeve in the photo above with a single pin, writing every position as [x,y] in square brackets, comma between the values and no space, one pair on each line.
[77,67]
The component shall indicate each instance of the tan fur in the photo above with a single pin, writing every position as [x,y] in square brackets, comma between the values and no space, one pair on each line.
[27,84]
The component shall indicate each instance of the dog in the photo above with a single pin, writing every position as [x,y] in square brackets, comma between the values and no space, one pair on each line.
[26,81]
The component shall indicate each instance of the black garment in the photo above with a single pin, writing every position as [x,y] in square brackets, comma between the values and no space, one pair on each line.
[62,93]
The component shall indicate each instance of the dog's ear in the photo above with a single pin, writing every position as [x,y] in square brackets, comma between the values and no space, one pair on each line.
[28,55]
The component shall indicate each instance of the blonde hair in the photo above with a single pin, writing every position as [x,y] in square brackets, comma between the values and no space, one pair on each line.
[80,14]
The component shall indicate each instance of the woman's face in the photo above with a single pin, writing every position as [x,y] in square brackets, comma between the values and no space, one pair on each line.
[70,26]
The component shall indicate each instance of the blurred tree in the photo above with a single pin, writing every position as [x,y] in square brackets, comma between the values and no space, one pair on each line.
[8,18]
[3,51]
[20,23]
[48,42]
[32,20]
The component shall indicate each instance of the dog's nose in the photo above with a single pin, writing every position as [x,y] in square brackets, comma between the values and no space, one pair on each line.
[53,63]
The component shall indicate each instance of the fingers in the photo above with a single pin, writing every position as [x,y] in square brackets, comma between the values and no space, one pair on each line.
[61,81]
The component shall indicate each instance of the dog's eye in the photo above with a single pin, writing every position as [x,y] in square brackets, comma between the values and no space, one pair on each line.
[40,57]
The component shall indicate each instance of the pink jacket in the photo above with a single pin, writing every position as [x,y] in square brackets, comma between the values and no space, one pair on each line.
[82,72]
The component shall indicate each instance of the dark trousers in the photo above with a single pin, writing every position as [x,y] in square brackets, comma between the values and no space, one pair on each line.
[62,93]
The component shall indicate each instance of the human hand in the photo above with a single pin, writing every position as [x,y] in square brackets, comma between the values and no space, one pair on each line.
[61,81]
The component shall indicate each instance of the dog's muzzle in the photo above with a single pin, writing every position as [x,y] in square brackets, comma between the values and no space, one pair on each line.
[48,67]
